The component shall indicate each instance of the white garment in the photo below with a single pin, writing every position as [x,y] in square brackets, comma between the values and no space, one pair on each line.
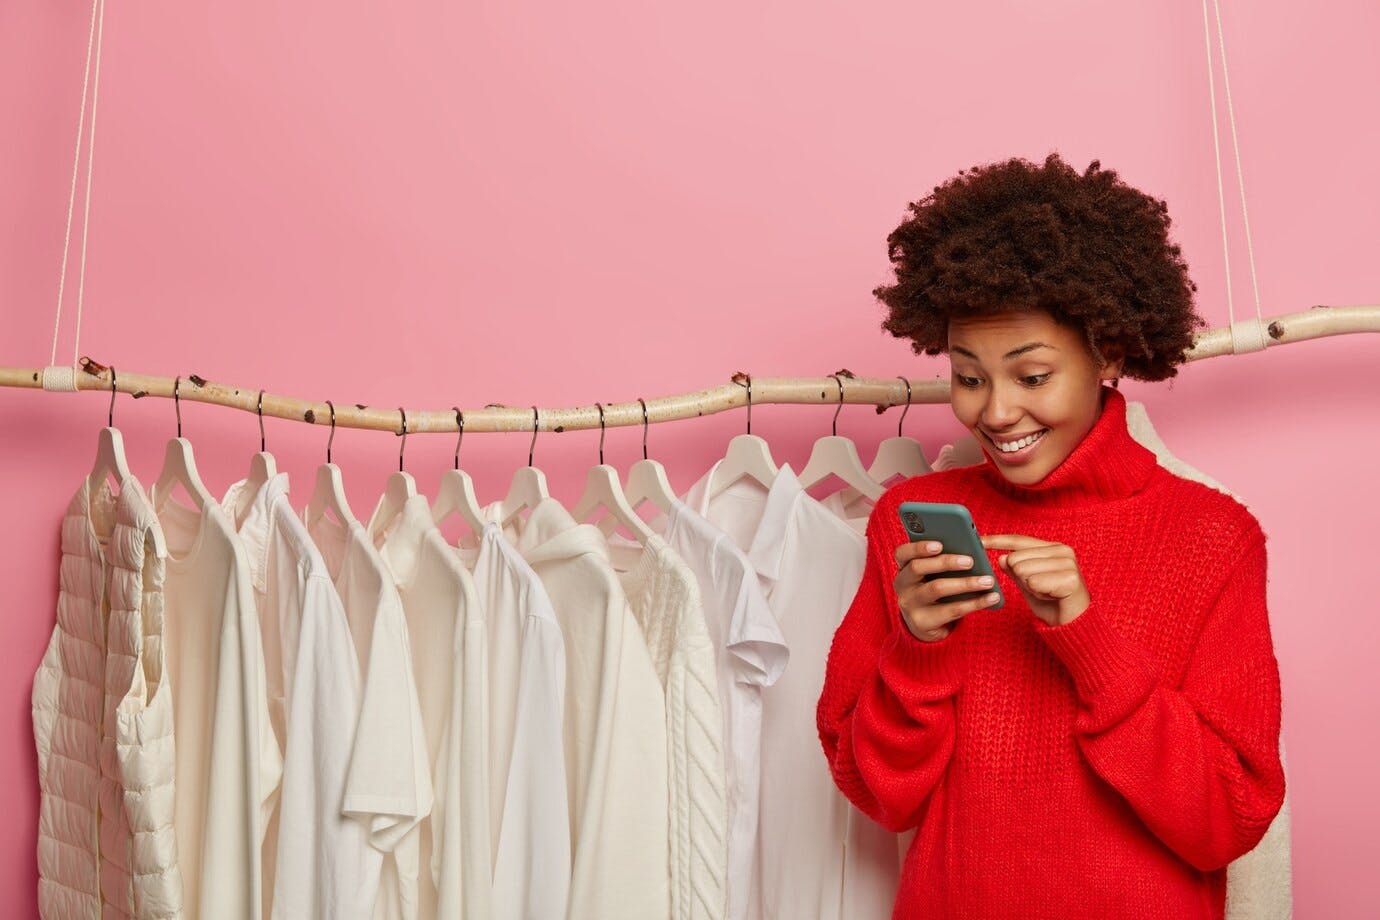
[388,782]
[750,654]
[103,721]
[228,762]
[614,729]
[665,598]
[1259,883]
[529,811]
[445,627]
[315,858]
[818,856]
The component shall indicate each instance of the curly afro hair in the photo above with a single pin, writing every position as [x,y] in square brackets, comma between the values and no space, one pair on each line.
[1089,249]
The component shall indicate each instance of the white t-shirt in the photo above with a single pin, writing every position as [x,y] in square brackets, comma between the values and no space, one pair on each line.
[445,626]
[529,811]
[228,762]
[315,859]
[388,781]
[665,598]
[615,725]
[750,654]
[818,856]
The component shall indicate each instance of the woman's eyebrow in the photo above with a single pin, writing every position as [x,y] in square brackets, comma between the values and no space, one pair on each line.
[1013,353]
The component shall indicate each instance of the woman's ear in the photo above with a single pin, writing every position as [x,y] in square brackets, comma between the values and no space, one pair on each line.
[1113,359]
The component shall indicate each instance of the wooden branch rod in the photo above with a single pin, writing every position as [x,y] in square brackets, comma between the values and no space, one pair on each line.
[883,392]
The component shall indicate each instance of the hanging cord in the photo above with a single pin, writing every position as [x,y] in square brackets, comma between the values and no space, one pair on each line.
[1248,335]
[65,378]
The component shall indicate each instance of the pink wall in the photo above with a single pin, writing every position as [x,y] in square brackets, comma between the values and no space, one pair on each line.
[444,203]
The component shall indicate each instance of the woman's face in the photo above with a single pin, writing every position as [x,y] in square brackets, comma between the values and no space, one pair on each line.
[1020,373]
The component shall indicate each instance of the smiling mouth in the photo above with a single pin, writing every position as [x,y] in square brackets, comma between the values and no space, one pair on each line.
[1028,445]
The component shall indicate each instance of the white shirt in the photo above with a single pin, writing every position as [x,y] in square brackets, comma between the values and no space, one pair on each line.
[228,763]
[529,812]
[315,858]
[665,597]
[819,857]
[388,781]
[750,654]
[445,627]
[614,729]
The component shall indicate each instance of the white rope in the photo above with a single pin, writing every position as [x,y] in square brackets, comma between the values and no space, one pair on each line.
[90,168]
[72,195]
[1249,334]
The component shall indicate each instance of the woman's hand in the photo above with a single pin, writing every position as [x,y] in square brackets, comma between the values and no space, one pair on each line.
[926,614]
[1047,575]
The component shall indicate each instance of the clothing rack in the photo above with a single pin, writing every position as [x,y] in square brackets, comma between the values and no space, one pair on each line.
[843,387]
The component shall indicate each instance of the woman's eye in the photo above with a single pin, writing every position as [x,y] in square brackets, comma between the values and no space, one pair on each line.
[1036,379]
[968,382]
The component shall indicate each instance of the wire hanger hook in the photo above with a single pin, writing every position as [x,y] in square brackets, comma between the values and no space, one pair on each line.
[644,426]
[839,381]
[459,420]
[332,437]
[906,409]
[601,432]
[111,419]
[536,421]
[260,410]
[404,438]
[177,404]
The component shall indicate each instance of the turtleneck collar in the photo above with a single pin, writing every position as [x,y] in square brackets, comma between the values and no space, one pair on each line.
[1107,464]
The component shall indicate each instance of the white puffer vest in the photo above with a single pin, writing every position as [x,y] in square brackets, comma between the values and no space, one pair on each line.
[102,714]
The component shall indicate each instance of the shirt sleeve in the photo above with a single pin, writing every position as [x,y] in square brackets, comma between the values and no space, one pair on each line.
[1199,763]
[886,714]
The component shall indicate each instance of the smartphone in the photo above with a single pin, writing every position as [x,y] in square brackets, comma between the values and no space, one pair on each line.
[952,526]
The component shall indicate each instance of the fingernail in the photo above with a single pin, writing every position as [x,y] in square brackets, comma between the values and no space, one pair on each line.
[985,580]
[993,597]
[934,547]
[965,560]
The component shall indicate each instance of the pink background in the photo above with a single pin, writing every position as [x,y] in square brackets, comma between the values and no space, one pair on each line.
[438,203]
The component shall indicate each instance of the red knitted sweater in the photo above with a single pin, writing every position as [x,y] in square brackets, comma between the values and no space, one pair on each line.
[1107,768]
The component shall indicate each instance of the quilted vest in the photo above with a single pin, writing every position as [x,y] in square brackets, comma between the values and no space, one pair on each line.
[1259,883]
[102,714]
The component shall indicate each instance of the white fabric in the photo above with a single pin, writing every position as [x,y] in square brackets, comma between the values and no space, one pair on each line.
[388,781]
[1260,883]
[614,727]
[228,762]
[818,856]
[315,859]
[529,811]
[665,598]
[445,627]
[102,714]
[750,654]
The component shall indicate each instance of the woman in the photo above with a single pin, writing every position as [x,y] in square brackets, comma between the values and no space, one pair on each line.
[1105,743]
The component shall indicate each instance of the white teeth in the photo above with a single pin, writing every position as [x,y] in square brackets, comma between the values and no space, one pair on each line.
[1023,442]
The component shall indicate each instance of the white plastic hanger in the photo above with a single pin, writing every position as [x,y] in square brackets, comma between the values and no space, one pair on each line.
[898,457]
[747,455]
[262,468]
[396,492]
[528,487]
[838,456]
[647,480]
[110,462]
[179,466]
[603,490]
[328,494]
[456,492]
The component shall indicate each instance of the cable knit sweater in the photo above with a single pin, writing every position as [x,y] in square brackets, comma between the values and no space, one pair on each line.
[1111,766]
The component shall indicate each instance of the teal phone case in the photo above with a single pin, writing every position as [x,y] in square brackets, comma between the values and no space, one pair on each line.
[952,525]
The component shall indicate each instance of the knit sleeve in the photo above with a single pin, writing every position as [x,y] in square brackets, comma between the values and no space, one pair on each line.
[886,714]
[1198,763]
